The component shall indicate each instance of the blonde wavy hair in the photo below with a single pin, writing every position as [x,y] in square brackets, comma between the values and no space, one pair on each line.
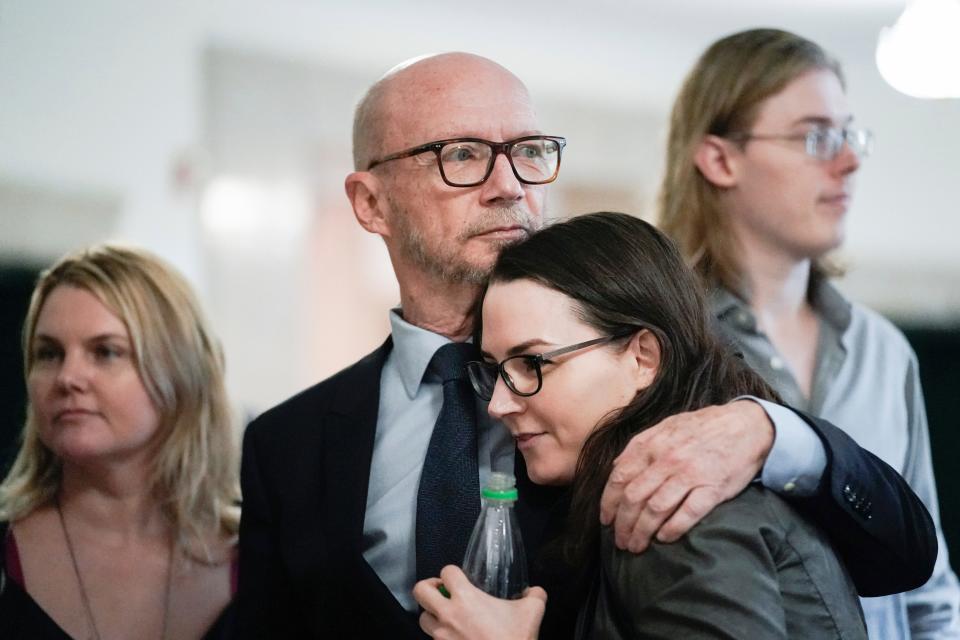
[194,475]
[723,94]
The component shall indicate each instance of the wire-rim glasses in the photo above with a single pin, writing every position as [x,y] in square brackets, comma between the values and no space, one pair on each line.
[521,373]
[468,162]
[820,143]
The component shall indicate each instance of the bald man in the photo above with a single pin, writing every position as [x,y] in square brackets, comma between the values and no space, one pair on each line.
[333,521]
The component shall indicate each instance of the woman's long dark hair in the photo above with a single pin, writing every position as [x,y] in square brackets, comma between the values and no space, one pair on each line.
[623,276]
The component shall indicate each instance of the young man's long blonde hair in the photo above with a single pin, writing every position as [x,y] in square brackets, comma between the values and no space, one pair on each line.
[194,475]
[721,95]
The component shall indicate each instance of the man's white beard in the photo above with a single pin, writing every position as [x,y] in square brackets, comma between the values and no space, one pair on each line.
[450,266]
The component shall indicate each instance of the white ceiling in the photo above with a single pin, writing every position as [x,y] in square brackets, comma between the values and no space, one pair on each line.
[601,42]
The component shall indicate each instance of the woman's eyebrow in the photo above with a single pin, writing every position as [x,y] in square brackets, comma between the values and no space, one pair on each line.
[517,349]
[523,347]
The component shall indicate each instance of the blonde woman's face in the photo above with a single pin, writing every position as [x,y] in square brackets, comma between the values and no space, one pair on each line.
[86,393]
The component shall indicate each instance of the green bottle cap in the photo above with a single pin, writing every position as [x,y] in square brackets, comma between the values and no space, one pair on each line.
[490,494]
[500,486]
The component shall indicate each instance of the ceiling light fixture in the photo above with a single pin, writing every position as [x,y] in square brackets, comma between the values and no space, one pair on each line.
[920,54]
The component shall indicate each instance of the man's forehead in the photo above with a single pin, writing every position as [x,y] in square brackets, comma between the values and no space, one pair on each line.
[814,95]
[452,100]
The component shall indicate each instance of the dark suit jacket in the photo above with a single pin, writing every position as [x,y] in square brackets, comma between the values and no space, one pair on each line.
[305,472]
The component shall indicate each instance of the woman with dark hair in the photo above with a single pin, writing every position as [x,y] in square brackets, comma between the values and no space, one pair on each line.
[593,330]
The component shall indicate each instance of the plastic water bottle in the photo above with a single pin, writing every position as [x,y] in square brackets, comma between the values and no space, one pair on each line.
[495,561]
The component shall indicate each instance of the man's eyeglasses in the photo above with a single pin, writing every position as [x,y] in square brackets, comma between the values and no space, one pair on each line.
[823,144]
[467,162]
[522,374]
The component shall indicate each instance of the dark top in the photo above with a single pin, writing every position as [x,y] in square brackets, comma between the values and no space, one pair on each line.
[21,618]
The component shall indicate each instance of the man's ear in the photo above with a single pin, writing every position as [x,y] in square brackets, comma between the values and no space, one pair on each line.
[645,349]
[716,159]
[364,190]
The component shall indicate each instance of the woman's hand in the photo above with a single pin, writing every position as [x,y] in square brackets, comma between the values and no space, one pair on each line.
[471,614]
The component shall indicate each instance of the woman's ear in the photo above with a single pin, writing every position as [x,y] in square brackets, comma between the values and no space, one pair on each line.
[716,160]
[645,350]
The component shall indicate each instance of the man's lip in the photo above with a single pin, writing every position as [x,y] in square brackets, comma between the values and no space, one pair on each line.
[836,198]
[511,230]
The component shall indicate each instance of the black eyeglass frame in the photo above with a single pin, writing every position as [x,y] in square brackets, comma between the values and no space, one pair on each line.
[810,140]
[535,360]
[495,148]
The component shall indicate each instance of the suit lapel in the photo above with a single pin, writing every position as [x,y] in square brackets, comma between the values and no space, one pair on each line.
[352,427]
[348,448]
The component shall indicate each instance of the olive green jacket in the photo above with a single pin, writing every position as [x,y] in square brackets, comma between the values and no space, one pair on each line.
[753,568]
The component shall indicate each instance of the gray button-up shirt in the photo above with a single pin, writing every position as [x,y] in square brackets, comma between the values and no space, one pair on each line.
[865,380]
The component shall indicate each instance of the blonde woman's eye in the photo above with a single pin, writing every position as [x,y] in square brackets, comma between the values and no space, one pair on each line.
[46,353]
[108,353]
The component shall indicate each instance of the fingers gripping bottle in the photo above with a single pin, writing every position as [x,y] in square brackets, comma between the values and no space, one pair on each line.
[495,561]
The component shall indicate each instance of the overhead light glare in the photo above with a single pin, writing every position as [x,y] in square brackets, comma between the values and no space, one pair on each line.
[920,54]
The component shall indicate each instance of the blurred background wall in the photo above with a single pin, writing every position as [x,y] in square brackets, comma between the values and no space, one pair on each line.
[217,135]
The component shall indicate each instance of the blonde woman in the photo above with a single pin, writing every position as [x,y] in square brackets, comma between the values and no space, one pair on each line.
[120,512]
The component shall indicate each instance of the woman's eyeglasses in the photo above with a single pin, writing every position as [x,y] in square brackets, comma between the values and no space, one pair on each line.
[522,373]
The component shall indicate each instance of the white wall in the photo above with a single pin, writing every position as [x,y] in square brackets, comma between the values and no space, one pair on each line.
[118,104]
[102,97]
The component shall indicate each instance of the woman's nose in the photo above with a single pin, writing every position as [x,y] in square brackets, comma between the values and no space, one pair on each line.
[73,374]
[503,401]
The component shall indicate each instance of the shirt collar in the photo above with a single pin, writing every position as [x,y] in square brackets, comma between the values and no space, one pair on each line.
[831,304]
[413,349]
[729,307]
[824,297]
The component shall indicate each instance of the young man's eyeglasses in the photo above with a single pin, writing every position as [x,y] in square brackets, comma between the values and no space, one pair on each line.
[821,143]
[522,374]
[468,162]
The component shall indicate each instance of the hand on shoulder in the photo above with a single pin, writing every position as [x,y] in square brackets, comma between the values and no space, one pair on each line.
[673,474]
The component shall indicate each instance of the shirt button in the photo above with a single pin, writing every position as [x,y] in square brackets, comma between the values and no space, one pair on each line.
[790,486]
[742,318]
[776,363]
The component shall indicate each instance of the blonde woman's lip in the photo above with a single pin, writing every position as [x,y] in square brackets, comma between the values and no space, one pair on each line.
[72,414]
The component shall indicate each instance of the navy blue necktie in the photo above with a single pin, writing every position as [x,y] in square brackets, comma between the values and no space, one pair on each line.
[448,500]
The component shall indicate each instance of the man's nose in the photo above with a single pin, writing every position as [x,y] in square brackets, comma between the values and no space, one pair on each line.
[846,160]
[503,402]
[502,185]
